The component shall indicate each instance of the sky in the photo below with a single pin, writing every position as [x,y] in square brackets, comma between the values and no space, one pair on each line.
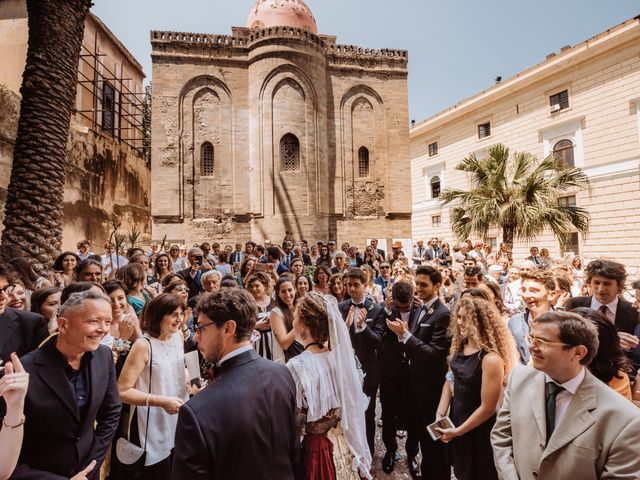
[456,47]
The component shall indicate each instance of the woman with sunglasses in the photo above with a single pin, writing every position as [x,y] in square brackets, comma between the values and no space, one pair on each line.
[325,257]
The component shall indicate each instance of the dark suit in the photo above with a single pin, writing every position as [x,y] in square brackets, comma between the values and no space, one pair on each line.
[193,283]
[57,441]
[626,320]
[427,349]
[20,332]
[394,385]
[367,348]
[236,257]
[243,425]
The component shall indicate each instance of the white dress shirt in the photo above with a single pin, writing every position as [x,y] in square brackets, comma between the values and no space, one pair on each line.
[426,307]
[564,397]
[235,353]
[611,308]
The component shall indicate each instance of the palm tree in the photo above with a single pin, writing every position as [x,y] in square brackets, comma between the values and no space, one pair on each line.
[33,212]
[517,194]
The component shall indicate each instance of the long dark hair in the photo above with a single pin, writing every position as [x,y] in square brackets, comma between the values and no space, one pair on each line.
[57,265]
[287,312]
[610,361]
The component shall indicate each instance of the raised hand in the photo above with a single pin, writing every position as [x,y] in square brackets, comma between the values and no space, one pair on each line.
[13,385]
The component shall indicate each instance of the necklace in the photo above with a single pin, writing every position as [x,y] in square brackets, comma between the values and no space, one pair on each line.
[320,345]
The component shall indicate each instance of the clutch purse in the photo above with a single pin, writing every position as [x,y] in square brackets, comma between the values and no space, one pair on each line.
[128,453]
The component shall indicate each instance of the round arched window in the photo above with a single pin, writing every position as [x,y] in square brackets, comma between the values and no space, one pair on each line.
[289,153]
[435,187]
[563,150]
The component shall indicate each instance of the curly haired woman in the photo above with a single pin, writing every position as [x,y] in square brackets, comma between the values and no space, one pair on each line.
[482,355]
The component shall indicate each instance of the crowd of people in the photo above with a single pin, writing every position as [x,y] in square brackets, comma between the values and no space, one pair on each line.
[252,360]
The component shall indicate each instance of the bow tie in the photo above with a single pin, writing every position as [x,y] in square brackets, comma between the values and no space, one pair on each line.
[358,305]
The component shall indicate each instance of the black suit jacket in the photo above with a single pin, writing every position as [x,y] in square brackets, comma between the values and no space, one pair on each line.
[57,442]
[243,425]
[20,332]
[393,352]
[626,316]
[195,286]
[427,349]
[368,342]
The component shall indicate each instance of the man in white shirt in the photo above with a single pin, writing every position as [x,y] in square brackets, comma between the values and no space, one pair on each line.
[557,420]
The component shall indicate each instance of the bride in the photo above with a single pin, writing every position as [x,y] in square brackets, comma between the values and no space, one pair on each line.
[330,401]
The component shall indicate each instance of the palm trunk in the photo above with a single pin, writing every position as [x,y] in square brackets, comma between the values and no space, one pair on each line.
[507,234]
[33,212]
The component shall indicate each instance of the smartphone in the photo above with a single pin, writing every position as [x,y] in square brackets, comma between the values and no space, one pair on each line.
[260,267]
[444,422]
[199,260]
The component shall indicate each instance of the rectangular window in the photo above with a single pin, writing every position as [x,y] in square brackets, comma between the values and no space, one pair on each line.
[572,245]
[484,130]
[559,101]
[108,107]
[433,149]
[493,242]
[436,221]
[568,201]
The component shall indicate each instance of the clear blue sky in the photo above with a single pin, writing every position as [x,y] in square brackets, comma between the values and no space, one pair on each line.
[456,47]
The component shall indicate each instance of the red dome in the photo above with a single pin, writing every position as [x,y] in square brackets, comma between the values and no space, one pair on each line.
[290,13]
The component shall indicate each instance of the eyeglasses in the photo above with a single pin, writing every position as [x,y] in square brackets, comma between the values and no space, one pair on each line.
[543,344]
[385,267]
[200,328]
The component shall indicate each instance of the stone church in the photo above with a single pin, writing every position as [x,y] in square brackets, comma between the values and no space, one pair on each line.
[277,127]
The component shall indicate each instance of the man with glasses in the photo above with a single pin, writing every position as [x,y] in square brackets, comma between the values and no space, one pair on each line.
[20,331]
[557,420]
[243,424]
[193,275]
[385,280]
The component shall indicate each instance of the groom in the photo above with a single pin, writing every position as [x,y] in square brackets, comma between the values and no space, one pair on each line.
[243,424]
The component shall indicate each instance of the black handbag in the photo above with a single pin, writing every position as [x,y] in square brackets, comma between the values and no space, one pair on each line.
[130,456]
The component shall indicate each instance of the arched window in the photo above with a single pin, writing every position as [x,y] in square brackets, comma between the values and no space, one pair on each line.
[289,153]
[435,187]
[563,150]
[206,159]
[363,162]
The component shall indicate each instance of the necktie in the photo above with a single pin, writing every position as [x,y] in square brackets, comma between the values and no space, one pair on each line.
[553,389]
[357,305]
[603,309]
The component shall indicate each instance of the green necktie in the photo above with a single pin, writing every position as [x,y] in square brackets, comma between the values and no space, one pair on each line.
[553,389]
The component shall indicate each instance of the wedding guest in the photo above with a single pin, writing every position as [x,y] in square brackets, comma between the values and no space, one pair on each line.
[72,404]
[64,269]
[321,276]
[162,267]
[336,287]
[153,379]
[325,257]
[88,271]
[285,346]
[17,296]
[134,277]
[46,302]
[482,356]
[255,438]
[258,285]
[303,285]
[84,249]
[557,419]
[13,389]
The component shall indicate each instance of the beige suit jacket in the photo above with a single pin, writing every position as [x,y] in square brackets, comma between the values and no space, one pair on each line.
[597,438]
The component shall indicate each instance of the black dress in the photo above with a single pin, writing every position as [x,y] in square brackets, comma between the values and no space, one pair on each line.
[471,454]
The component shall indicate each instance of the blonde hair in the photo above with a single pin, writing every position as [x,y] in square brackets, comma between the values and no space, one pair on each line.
[486,328]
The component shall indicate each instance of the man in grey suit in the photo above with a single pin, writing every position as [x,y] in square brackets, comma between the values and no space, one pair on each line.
[557,420]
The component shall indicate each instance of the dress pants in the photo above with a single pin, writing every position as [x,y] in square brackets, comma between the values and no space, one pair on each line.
[370,420]
[394,399]
[434,464]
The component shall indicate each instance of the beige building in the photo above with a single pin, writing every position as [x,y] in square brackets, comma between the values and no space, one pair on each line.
[277,127]
[582,103]
[107,172]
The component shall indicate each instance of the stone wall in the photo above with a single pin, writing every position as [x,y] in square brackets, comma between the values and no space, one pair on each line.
[104,177]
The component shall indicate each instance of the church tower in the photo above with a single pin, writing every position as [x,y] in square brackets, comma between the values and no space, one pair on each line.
[277,128]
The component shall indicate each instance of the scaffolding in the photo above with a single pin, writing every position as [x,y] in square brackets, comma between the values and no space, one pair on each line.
[115,109]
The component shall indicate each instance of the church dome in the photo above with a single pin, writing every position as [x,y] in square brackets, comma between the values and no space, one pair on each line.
[290,13]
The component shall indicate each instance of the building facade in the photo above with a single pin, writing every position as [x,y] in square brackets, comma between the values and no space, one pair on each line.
[107,172]
[582,104]
[278,128]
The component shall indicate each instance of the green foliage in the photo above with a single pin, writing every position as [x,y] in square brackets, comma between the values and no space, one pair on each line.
[133,235]
[517,194]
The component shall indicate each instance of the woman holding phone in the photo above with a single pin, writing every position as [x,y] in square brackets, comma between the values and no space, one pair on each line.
[482,355]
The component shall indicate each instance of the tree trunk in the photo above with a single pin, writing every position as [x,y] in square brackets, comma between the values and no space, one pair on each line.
[507,234]
[34,208]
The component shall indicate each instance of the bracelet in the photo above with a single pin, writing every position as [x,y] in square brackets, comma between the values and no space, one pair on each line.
[146,400]
[19,424]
